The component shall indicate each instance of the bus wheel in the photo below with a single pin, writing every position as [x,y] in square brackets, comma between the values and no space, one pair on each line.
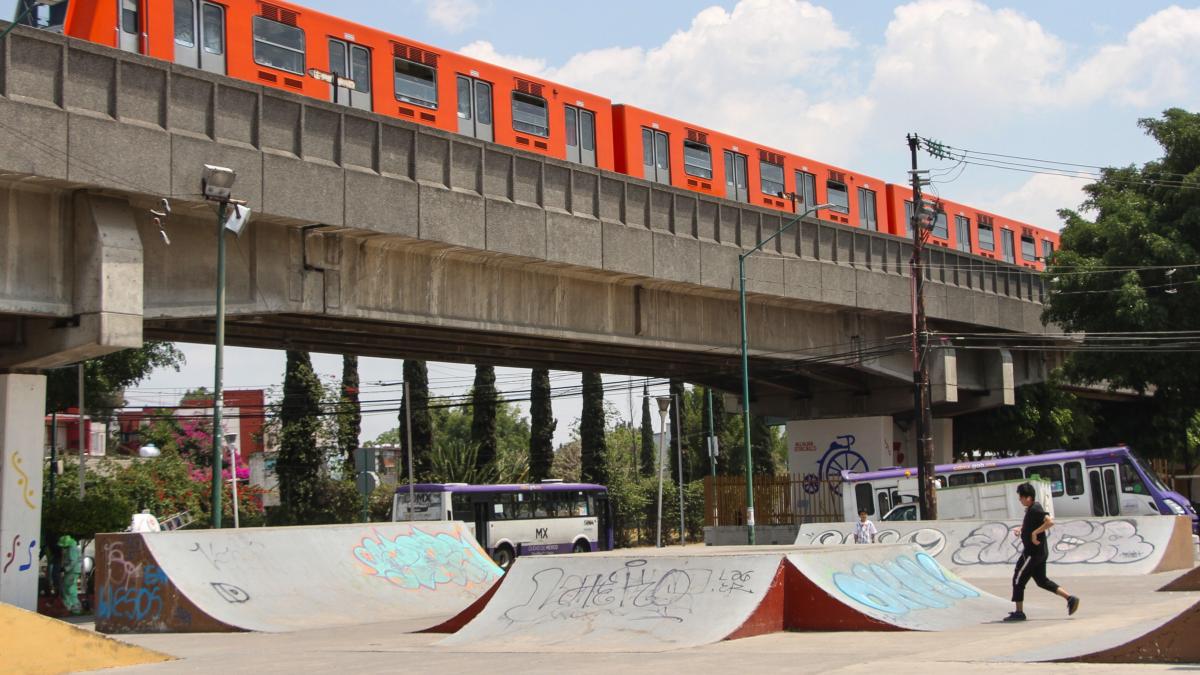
[581,547]
[503,556]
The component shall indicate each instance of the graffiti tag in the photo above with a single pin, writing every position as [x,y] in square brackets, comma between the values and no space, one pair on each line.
[132,591]
[1070,542]
[419,560]
[230,593]
[902,585]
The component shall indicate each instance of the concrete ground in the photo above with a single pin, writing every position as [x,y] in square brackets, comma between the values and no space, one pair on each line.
[1108,604]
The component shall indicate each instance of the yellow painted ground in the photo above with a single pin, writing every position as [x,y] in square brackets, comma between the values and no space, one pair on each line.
[32,643]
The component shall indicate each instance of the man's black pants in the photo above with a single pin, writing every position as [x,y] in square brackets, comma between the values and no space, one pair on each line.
[1030,567]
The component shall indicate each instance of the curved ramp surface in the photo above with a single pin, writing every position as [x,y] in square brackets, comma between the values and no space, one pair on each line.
[593,603]
[1078,546]
[287,578]
[32,643]
[883,587]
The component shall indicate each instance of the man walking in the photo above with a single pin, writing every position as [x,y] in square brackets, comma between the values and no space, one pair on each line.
[1032,564]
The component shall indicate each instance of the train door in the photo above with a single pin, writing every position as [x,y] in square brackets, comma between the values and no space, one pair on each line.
[735,177]
[129,26]
[353,63]
[200,35]
[1106,498]
[656,156]
[475,108]
[581,135]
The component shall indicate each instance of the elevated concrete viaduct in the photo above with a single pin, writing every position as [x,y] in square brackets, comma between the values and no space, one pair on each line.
[379,237]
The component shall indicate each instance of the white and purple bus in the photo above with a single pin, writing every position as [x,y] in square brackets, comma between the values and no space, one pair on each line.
[516,519]
[1101,482]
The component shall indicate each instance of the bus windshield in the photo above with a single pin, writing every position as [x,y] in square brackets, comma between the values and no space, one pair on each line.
[427,506]
[1149,473]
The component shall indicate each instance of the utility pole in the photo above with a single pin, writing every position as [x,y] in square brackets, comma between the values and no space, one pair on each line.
[927,497]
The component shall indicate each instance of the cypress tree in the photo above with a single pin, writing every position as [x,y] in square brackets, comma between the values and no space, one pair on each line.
[761,436]
[300,460]
[591,431]
[349,414]
[678,398]
[648,447]
[417,377]
[483,416]
[542,425]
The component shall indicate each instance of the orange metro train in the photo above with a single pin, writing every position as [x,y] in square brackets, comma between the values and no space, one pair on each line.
[283,45]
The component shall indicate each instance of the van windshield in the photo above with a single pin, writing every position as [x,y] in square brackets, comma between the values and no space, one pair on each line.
[1149,473]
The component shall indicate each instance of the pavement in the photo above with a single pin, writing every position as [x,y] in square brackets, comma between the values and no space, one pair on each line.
[1109,605]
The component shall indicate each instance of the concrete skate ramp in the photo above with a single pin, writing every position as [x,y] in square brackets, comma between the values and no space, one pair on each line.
[882,587]
[597,603]
[1078,546]
[1188,581]
[286,578]
[1165,640]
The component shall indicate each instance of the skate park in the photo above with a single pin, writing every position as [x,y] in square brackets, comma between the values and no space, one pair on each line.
[368,596]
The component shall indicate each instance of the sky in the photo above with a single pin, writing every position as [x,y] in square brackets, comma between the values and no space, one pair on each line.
[842,82]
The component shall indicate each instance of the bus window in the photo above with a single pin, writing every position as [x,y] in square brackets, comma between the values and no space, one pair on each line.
[1097,494]
[461,504]
[941,480]
[862,495]
[1130,480]
[1050,472]
[885,503]
[971,478]
[1074,478]
[997,475]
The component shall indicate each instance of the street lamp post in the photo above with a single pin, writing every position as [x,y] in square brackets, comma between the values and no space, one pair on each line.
[216,185]
[233,480]
[664,404]
[746,364]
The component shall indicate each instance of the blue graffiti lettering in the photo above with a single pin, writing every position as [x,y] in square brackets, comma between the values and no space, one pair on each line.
[902,585]
[422,560]
[137,598]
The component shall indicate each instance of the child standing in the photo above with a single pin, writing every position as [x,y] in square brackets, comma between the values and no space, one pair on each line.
[864,530]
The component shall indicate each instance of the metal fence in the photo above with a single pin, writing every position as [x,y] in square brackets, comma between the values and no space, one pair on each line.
[778,500]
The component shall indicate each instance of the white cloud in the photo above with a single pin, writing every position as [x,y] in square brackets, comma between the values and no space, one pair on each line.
[766,70]
[452,15]
[1158,62]
[1038,200]
[486,51]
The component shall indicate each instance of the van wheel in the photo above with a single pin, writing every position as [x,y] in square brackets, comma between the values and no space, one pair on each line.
[581,547]
[503,556]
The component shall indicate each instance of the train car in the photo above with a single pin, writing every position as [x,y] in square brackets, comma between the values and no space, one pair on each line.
[282,45]
[672,152]
[970,230]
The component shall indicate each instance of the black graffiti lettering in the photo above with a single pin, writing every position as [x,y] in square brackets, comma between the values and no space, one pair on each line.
[230,593]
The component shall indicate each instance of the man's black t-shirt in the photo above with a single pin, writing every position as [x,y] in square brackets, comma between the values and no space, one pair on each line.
[1035,515]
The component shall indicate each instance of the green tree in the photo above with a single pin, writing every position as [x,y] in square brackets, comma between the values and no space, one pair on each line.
[591,431]
[542,425]
[454,456]
[1133,268]
[483,416]
[349,418]
[300,457]
[649,449]
[105,378]
[1045,417]
[417,377]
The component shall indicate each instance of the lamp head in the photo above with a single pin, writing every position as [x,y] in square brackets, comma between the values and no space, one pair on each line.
[217,182]
[149,450]
[664,403]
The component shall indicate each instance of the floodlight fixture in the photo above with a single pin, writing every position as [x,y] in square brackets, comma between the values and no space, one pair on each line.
[236,219]
[149,450]
[217,182]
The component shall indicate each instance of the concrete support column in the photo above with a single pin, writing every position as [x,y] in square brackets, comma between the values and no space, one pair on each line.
[22,434]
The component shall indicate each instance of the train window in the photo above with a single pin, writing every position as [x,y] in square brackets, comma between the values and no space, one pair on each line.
[185,23]
[360,68]
[1074,478]
[129,20]
[1028,248]
[962,232]
[697,159]
[987,241]
[839,197]
[940,227]
[866,209]
[806,185]
[1047,249]
[278,45]
[997,475]
[1050,472]
[971,478]
[772,177]
[1008,252]
[416,83]
[213,18]
[530,114]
